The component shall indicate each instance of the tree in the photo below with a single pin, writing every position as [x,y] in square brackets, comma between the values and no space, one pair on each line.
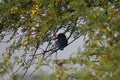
[29,24]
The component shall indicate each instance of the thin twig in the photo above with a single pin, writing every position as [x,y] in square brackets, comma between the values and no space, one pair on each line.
[37,46]
[70,34]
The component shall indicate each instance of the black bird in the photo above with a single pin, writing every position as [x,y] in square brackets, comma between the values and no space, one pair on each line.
[61,41]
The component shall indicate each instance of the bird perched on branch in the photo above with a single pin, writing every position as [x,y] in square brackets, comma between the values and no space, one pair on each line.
[61,41]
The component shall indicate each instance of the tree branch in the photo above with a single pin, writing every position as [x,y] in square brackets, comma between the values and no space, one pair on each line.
[37,46]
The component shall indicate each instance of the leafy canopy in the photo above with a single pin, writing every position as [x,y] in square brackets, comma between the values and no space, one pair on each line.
[28,24]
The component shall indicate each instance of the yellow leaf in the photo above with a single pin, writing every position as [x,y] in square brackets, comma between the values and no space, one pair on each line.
[11,12]
[109,17]
[7,58]
[57,75]
[71,67]
[104,30]
[23,41]
[97,40]
[40,58]
[65,72]
[94,16]
[16,8]
[36,7]
[26,38]
[12,9]
[33,12]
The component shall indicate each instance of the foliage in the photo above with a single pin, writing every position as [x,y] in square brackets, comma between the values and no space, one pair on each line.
[27,25]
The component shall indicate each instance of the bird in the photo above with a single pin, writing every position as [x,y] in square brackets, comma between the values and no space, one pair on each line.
[61,41]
